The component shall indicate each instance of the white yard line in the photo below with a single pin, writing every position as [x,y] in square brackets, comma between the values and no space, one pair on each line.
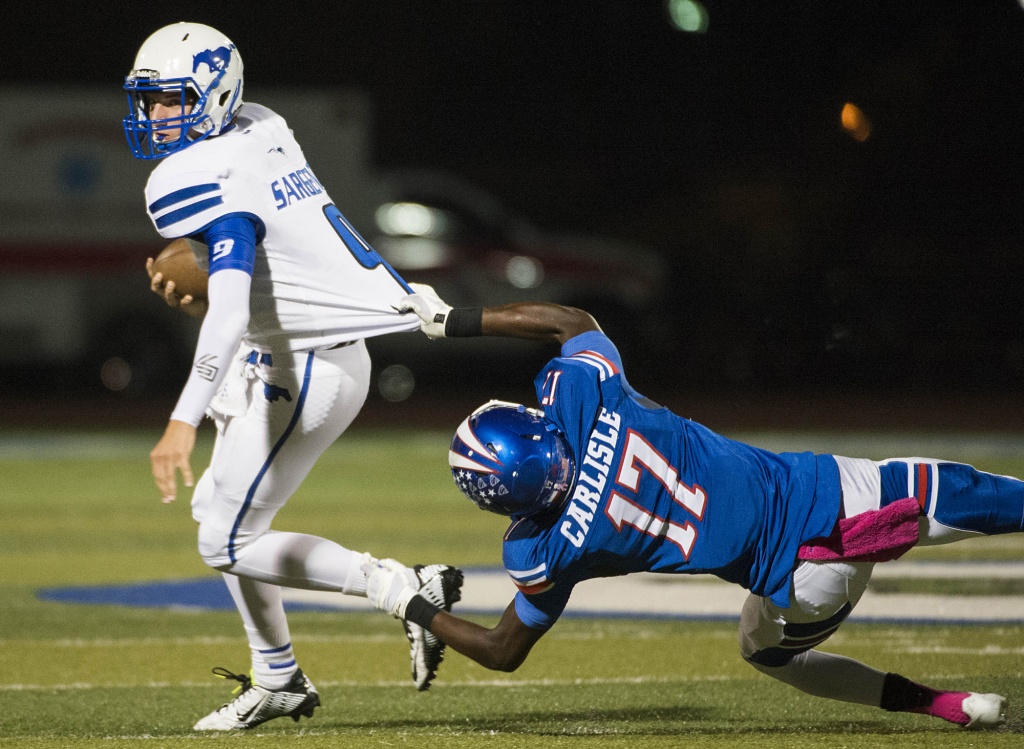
[350,683]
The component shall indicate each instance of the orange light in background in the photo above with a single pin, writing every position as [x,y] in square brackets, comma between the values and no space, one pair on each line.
[855,122]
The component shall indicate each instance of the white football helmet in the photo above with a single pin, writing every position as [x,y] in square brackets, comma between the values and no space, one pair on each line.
[195,61]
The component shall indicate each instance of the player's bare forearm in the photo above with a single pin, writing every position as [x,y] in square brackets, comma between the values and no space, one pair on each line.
[503,648]
[537,321]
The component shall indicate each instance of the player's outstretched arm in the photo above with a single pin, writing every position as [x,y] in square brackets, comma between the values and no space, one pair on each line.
[503,648]
[535,321]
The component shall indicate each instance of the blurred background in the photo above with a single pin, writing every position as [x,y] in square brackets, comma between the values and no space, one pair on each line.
[772,208]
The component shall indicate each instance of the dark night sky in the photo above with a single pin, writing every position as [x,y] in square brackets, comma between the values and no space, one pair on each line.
[723,151]
[596,113]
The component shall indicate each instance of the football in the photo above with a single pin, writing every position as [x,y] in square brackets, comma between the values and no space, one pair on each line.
[177,264]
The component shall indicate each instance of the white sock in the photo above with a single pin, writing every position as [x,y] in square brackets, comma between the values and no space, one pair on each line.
[298,560]
[293,560]
[273,668]
[259,604]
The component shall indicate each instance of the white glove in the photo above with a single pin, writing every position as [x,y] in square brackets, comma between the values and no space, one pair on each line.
[388,586]
[429,307]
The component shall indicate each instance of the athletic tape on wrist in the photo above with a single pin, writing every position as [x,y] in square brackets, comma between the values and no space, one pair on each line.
[464,322]
[420,611]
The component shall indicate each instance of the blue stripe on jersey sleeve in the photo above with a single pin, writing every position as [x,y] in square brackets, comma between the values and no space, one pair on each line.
[598,342]
[593,340]
[178,196]
[187,212]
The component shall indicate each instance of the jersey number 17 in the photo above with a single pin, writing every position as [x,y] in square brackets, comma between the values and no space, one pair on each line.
[639,453]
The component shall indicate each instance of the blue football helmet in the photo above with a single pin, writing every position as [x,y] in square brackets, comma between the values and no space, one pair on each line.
[199,64]
[509,459]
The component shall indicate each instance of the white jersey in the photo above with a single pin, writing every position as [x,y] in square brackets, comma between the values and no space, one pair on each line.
[316,283]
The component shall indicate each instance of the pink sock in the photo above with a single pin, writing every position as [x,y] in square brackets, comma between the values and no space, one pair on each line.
[945,705]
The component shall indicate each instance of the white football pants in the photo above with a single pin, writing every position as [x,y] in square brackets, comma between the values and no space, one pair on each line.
[295,406]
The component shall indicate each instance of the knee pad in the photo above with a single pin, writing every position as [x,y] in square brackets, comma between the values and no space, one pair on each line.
[213,544]
[772,644]
[759,628]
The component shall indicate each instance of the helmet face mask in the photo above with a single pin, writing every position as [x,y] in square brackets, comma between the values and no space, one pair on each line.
[189,63]
[509,460]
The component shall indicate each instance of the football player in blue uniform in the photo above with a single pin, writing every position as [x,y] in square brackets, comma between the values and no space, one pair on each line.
[280,366]
[600,481]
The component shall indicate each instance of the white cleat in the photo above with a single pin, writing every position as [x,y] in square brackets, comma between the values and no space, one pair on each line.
[984,710]
[441,585]
[255,705]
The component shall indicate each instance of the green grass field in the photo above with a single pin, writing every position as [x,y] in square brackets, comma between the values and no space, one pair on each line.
[81,509]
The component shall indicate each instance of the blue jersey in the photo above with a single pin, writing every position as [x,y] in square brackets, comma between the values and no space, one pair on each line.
[657,492]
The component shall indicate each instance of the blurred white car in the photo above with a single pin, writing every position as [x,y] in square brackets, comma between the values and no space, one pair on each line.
[438,230]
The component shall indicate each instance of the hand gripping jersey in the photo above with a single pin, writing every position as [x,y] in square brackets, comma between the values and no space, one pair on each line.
[315,281]
[660,493]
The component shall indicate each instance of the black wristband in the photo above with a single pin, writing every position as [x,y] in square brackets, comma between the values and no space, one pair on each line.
[464,322]
[420,611]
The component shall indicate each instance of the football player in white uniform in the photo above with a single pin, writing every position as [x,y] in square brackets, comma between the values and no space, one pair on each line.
[280,363]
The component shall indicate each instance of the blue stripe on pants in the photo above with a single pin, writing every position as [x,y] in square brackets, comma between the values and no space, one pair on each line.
[270,458]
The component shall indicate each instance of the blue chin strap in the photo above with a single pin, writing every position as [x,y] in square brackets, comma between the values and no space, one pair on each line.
[142,132]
